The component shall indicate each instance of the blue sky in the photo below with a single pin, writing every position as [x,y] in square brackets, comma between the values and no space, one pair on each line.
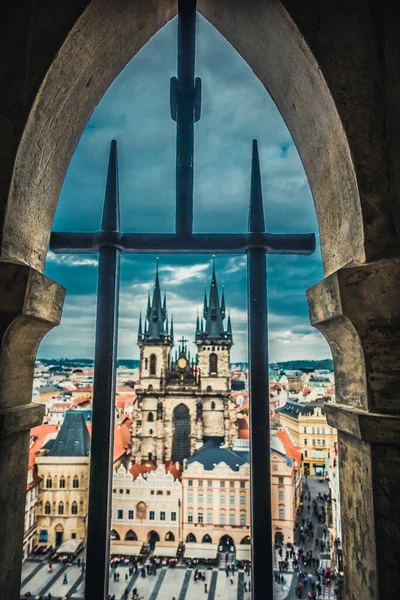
[135,111]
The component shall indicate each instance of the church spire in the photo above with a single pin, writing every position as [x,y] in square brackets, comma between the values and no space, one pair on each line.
[214,319]
[229,328]
[223,310]
[171,333]
[156,321]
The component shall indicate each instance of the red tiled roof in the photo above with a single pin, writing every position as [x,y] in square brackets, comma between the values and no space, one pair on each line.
[38,438]
[290,447]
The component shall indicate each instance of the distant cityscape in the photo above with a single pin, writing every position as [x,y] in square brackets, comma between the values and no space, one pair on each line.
[181,481]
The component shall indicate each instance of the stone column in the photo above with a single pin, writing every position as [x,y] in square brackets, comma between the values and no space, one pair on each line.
[30,305]
[358,311]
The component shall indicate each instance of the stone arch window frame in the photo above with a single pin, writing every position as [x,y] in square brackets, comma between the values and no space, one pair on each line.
[213,364]
[307,58]
[60,508]
[153,364]
[62,482]
[47,508]
[74,508]
[49,482]
[75,482]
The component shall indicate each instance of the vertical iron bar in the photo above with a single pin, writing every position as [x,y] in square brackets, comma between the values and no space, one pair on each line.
[260,470]
[185,101]
[261,529]
[101,454]
[101,462]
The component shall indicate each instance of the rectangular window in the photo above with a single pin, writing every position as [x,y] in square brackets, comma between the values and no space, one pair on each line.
[209,483]
[190,517]
[222,518]
[323,431]
[305,441]
[242,500]
[280,480]
[209,499]
[200,483]
[173,516]
[152,515]
[190,483]
[324,442]
[313,442]
[231,484]
[232,500]
[243,519]
[305,429]
[121,491]
[242,484]
[200,517]
[222,499]
[281,495]
[305,453]
[209,518]
[130,514]
[190,498]
[313,429]
[222,483]
[200,499]
[282,514]
[231,518]
[120,514]
[162,515]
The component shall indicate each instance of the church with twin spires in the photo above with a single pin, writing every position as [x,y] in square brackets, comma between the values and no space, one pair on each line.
[183,402]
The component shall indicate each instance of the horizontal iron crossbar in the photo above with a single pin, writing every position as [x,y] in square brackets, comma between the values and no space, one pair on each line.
[197,243]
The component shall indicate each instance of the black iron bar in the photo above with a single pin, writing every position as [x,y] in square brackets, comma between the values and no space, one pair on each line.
[101,455]
[198,243]
[185,100]
[261,514]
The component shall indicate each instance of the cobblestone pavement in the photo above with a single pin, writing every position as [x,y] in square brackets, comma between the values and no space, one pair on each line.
[172,583]
[166,584]
[315,487]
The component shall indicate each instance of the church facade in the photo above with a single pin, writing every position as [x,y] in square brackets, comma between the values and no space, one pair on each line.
[183,402]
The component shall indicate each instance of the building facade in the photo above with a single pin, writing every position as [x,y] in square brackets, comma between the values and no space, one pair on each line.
[308,427]
[145,509]
[216,497]
[183,402]
[63,467]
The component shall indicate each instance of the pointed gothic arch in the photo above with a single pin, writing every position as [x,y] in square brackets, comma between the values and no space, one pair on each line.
[190,538]
[169,537]
[181,433]
[213,364]
[153,364]
[130,536]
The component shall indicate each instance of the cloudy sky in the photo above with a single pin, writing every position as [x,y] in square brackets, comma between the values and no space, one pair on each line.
[135,111]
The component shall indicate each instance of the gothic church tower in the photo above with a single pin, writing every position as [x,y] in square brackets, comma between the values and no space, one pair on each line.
[183,403]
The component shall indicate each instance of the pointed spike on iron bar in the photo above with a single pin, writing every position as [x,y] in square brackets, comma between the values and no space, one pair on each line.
[256,210]
[111,219]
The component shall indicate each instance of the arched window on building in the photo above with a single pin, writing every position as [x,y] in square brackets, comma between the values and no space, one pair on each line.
[190,538]
[75,483]
[153,364]
[62,481]
[49,482]
[213,364]
[150,417]
[47,508]
[61,508]
[130,536]
[169,537]
[74,508]
[115,535]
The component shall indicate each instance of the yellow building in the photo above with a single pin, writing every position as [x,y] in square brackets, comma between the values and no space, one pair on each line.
[307,426]
[63,467]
